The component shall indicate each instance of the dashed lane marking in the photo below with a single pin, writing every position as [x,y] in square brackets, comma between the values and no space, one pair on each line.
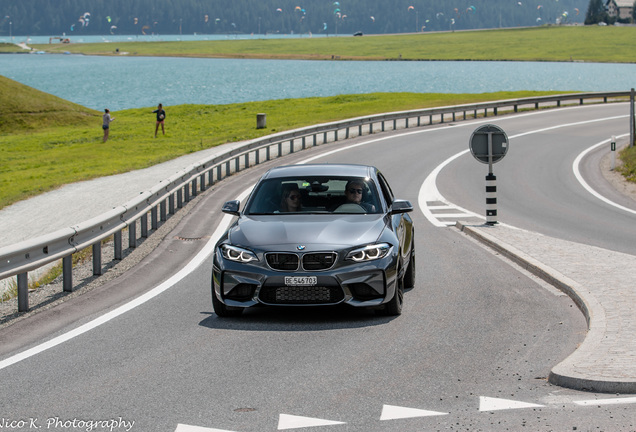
[495,404]
[188,428]
[392,412]
[286,421]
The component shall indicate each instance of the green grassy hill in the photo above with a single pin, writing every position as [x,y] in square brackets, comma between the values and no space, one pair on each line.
[25,109]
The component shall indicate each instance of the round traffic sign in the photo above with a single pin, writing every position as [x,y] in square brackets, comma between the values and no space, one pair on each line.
[489,143]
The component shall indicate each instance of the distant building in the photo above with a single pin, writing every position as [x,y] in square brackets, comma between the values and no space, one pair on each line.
[621,9]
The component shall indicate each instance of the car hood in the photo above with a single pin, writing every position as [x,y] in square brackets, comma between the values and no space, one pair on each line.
[312,231]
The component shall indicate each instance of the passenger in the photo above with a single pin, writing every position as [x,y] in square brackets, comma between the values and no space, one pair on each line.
[291,199]
[354,191]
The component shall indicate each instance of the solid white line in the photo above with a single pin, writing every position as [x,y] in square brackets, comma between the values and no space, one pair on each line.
[579,177]
[189,268]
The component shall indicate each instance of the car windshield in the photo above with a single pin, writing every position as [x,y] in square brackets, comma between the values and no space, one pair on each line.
[314,195]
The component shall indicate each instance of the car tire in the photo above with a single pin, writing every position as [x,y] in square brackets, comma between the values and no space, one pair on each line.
[224,311]
[394,306]
[409,276]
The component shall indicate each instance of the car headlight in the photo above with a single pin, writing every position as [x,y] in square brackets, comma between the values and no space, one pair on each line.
[237,254]
[369,253]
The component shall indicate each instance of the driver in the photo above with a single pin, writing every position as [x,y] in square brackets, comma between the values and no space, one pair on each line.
[354,191]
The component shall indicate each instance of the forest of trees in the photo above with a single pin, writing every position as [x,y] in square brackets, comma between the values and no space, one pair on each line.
[133,17]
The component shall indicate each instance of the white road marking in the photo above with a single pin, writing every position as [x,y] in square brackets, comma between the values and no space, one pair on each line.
[614,401]
[286,421]
[495,404]
[579,177]
[392,412]
[188,428]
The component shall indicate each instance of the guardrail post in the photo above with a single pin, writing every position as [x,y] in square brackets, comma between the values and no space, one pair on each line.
[117,243]
[291,145]
[67,273]
[154,223]
[180,198]
[171,203]
[195,186]
[132,235]
[144,226]
[162,211]
[97,258]
[23,292]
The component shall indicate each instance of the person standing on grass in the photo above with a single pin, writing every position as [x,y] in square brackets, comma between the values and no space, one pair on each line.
[106,124]
[161,115]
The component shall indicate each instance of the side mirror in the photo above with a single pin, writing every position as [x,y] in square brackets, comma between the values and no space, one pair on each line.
[401,206]
[231,207]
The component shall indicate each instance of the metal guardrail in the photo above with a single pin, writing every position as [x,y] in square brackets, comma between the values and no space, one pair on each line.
[171,194]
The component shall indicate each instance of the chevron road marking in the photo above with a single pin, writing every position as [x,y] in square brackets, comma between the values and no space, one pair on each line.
[391,412]
[286,421]
[494,404]
[188,428]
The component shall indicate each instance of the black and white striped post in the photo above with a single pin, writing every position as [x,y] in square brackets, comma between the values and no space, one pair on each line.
[489,144]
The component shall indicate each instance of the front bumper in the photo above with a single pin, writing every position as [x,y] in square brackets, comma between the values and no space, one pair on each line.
[366,284]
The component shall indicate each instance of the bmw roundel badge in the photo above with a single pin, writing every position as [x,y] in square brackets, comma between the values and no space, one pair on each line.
[300,247]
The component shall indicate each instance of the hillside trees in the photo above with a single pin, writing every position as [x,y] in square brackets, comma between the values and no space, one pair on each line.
[595,12]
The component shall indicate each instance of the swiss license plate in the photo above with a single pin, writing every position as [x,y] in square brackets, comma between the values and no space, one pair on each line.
[301,280]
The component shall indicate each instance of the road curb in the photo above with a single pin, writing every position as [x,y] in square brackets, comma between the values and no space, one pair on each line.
[572,372]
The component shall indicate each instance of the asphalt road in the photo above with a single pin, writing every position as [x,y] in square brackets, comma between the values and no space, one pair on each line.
[471,350]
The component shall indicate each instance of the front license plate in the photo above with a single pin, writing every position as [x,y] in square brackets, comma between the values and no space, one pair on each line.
[301,280]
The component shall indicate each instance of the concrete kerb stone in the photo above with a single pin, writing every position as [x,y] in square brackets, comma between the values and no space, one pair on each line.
[580,370]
